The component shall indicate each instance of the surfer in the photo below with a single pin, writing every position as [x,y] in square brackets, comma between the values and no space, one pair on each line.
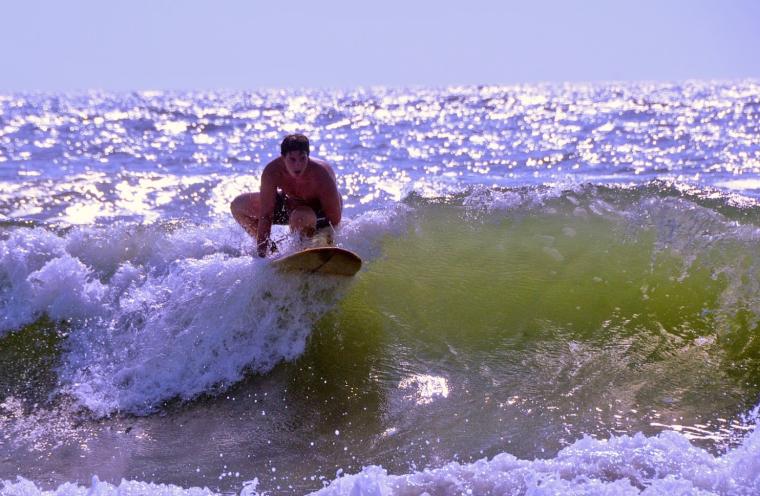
[295,189]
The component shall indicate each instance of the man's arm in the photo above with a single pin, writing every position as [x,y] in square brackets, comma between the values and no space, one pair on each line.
[267,197]
[330,200]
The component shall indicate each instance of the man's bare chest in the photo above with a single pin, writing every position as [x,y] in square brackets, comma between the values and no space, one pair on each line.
[300,190]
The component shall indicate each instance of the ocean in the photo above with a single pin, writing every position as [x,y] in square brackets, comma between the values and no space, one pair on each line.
[560,294]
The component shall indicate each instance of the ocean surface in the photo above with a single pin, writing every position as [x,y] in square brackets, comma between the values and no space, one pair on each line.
[560,294]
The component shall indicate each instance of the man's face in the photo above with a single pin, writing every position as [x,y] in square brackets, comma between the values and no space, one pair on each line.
[296,162]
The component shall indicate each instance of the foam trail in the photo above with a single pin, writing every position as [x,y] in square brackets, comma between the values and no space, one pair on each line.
[185,327]
[200,325]
[624,465]
[34,266]
[24,487]
[157,314]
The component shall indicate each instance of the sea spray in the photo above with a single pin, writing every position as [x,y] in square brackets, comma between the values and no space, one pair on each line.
[624,465]
[157,313]
[200,325]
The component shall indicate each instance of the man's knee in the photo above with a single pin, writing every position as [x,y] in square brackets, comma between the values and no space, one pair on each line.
[303,218]
[245,204]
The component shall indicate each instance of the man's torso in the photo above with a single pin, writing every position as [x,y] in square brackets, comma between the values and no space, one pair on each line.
[305,190]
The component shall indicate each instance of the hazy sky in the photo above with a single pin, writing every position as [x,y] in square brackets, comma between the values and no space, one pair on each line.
[241,44]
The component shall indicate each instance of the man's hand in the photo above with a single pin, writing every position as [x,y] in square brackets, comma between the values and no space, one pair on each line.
[261,248]
[266,246]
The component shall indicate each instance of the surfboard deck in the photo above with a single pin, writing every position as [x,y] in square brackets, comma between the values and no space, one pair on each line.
[328,260]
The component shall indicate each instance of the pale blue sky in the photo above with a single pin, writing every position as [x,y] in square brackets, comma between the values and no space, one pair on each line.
[236,44]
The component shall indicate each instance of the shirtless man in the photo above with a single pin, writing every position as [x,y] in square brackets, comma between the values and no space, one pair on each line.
[295,190]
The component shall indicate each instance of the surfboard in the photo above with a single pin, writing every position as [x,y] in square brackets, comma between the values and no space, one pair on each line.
[328,260]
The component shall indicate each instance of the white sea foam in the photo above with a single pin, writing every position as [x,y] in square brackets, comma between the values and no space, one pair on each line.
[623,465]
[34,267]
[179,334]
[70,276]
[24,487]
[158,312]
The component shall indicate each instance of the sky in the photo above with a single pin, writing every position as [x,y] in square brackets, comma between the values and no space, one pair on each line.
[52,45]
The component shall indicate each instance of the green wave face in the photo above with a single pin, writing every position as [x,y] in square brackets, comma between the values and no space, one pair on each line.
[574,316]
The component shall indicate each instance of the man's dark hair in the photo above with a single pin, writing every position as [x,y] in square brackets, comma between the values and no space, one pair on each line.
[294,143]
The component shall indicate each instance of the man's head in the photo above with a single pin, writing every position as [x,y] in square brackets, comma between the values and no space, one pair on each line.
[294,143]
[295,153]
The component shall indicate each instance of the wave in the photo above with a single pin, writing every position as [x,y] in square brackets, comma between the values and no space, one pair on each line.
[155,312]
[177,310]
[621,465]
[624,465]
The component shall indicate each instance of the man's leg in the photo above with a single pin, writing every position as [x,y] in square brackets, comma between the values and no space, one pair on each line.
[303,220]
[245,210]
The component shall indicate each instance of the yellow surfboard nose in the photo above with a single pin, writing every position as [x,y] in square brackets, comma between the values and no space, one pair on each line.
[328,260]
